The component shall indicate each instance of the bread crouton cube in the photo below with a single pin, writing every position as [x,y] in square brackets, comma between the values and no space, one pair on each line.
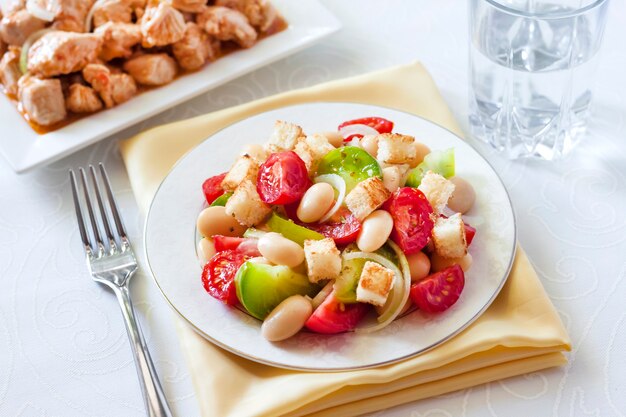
[311,149]
[323,259]
[256,152]
[246,206]
[437,190]
[449,237]
[244,168]
[284,137]
[374,284]
[394,148]
[366,197]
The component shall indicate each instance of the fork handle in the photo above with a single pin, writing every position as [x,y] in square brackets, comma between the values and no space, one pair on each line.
[154,398]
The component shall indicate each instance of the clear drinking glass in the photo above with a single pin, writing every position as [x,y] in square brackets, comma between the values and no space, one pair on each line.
[531,72]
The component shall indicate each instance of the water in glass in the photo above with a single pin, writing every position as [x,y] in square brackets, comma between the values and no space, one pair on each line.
[531,76]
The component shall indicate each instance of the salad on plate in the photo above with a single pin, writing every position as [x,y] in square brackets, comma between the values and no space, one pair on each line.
[319,231]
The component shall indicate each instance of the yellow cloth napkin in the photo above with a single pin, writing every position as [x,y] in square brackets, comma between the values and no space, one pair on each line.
[521,331]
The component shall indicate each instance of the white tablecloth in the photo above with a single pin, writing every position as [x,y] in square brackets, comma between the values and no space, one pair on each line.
[63,347]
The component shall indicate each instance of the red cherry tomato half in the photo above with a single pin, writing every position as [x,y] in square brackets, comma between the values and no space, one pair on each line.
[470,232]
[378,123]
[333,316]
[219,273]
[439,291]
[212,188]
[343,227]
[241,245]
[282,179]
[412,222]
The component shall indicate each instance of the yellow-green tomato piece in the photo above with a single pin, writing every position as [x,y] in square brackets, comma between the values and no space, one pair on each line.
[292,231]
[350,163]
[261,287]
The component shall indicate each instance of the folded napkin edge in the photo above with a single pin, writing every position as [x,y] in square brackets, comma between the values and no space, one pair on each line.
[454,383]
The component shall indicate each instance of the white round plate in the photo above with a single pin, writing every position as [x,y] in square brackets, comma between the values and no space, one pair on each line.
[171,252]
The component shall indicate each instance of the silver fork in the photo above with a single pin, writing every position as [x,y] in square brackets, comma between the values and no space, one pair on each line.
[111,262]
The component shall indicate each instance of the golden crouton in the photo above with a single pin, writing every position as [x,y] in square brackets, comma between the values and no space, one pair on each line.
[256,152]
[246,206]
[244,168]
[323,259]
[311,149]
[394,148]
[449,237]
[284,137]
[366,197]
[374,284]
[437,190]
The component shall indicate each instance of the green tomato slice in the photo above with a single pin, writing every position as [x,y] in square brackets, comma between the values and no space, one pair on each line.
[439,162]
[350,163]
[292,231]
[348,280]
[261,287]
[345,285]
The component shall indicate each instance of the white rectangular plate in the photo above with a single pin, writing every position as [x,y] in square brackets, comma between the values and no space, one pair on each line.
[24,149]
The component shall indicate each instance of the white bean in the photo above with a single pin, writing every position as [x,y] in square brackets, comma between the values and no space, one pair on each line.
[214,221]
[375,231]
[280,251]
[334,138]
[370,144]
[206,250]
[419,265]
[421,151]
[287,318]
[316,202]
[391,178]
[463,197]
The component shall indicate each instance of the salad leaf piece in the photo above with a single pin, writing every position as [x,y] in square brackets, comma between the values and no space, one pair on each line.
[221,200]
[261,287]
[439,162]
[350,163]
[292,231]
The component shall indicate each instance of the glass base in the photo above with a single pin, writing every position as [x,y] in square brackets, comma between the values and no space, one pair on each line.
[549,142]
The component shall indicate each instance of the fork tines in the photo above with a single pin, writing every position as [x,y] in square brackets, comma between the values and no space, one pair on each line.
[113,241]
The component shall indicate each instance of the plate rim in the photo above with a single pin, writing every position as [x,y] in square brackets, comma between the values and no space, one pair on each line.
[23,162]
[349,368]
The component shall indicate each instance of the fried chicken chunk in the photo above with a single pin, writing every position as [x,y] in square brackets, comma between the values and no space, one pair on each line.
[82,99]
[118,40]
[58,52]
[17,27]
[112,88]
[42,100]
[260,13]
[227,25]
[118,11]
[152,69]
[191,6]
[162,25]
[10,70]
[194,49]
